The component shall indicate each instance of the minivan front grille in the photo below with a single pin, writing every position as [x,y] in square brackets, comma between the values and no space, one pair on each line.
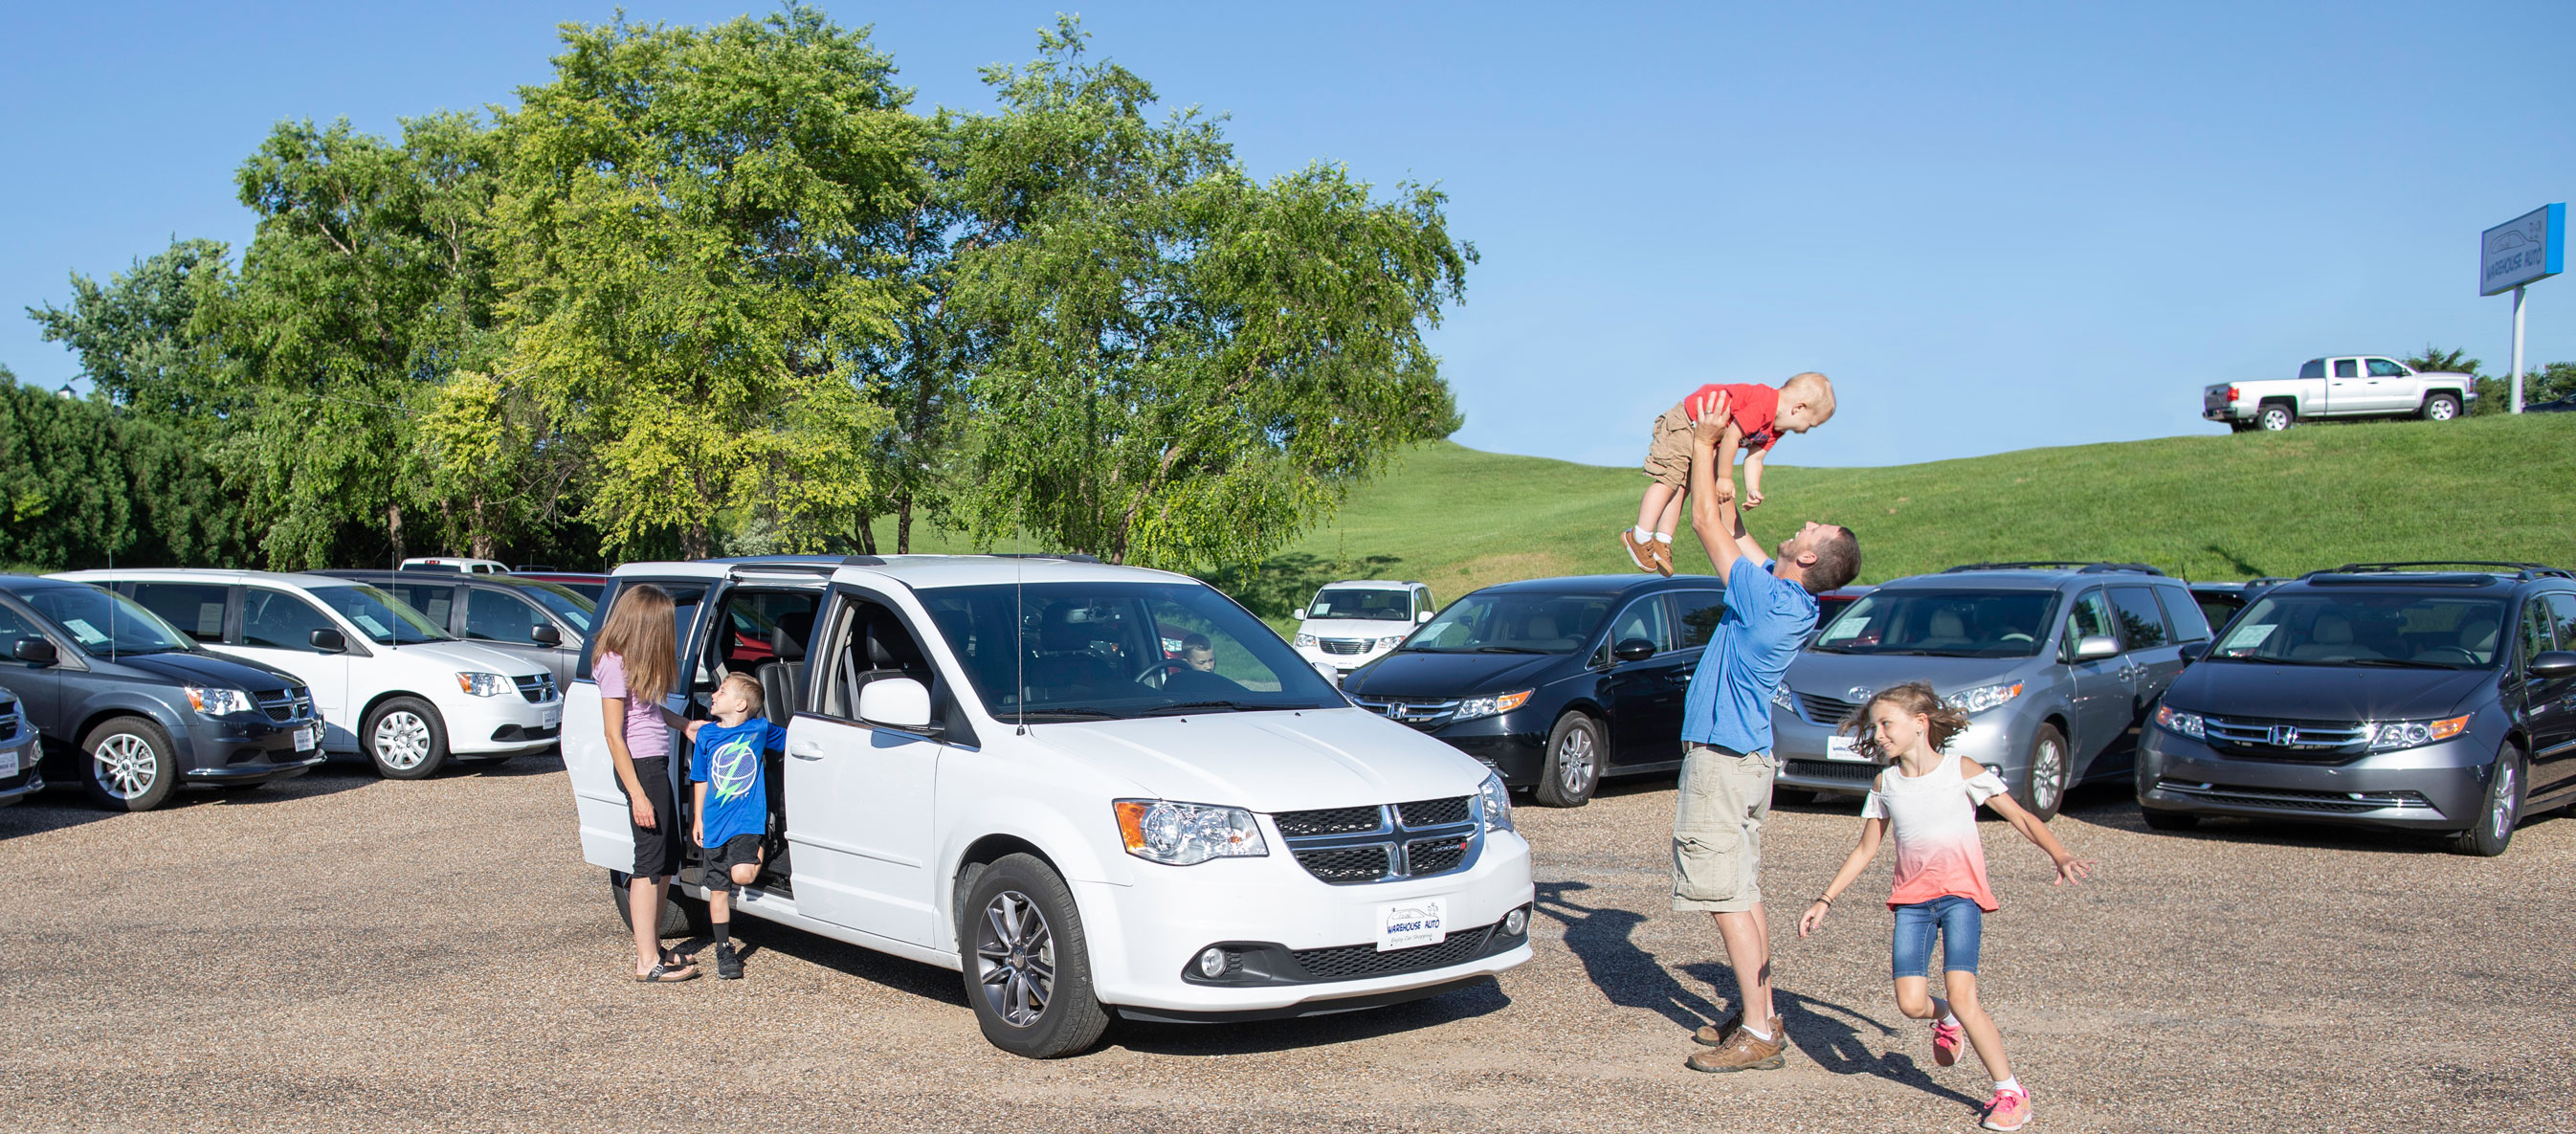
[1349,846]
[293,703]
[1347,962]
[1331,821]
[538,688]
[2295,799]
[1824,710]
[1424,715]
[2288,739]
[1343,645]
[1432,812]
[1843,771]
[1342,866]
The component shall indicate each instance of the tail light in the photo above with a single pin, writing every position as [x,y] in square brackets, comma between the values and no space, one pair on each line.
[2231,395]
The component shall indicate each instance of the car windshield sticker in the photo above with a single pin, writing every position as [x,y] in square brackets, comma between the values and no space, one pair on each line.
[2247,637]
[374,628]
[81,629]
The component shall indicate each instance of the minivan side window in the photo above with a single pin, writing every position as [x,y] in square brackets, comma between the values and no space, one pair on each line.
[1696,613]
[195,608]
[2539,631]
[2141,624]
[685,598]
[2562,610]
[2090,617]
[2183,615]
[280,621]
[869,643]
[494,616]
[1643,618]
[12,629]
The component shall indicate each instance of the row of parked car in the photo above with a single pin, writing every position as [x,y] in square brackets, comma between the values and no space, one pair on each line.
[2436,696]
[133,683]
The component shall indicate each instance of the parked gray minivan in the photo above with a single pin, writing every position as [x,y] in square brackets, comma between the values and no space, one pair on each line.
[2055,664]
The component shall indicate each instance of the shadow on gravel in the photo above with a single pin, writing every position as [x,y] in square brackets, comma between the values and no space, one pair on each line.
[753,936]
[1312,1031]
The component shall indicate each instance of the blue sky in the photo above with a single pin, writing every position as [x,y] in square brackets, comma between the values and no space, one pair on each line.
[1997,226]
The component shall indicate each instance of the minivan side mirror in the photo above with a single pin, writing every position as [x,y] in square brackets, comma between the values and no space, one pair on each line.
[1425,616]
[2547,664]
[545,635]
[2194,651]
[329,641]
[2093,646]
[1633,649]
[896,702]
[36,650]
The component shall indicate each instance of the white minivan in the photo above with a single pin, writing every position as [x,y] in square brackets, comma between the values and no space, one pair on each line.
[1012,768]
[1350,624]
[389,684]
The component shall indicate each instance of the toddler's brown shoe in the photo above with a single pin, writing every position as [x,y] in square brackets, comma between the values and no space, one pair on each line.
[1640,551]
[1664,557]
[1745,1053]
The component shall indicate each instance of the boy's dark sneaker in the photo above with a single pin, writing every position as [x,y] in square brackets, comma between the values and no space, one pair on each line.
[728,962]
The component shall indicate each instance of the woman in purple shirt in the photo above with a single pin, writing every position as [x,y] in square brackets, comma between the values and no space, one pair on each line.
[636,662]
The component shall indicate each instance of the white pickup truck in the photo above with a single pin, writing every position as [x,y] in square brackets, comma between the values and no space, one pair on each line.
[2357,385]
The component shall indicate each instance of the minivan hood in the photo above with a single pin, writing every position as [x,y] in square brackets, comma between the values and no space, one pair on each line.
[189,668]
[466,655]
[1836,675]
[1438,676]
[1355,627]
[2323,692]
[1271,761]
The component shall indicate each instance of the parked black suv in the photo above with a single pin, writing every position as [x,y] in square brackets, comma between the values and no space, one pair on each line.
[136,705]
[2379,694]
[1553,682]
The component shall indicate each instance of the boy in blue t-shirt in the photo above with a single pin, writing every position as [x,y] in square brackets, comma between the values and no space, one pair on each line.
[732,792]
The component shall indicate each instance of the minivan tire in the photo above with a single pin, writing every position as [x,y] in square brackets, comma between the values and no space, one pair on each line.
[139,771]
[2042,787]
[405,737]
[682,915]
[2441,407]
[1017,930]
[2275,417]
[1572,769]
[2499,808]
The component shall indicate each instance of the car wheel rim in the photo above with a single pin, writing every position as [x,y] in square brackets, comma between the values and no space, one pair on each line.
[1574,761]
[1015,959]
[2045,765]
[125,765]
[2442,411]
[402,740]
[2500,816]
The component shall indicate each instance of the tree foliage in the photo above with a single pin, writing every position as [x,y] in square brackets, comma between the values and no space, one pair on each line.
[136,335]
[85,483]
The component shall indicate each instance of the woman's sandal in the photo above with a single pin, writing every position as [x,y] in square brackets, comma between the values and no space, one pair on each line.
[674,958]
[667,974]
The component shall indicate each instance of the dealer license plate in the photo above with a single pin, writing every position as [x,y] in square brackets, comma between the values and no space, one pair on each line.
[8,764]
[1406,925]
[1840,748]
[552,716]
[308,738]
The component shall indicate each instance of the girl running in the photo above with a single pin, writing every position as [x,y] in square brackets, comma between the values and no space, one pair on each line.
[1930,799]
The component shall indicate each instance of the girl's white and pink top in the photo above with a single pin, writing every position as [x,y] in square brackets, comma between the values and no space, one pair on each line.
[1933,818]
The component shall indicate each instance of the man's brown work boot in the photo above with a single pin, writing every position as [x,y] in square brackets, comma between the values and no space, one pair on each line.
[1717,1034]
[1745,1053]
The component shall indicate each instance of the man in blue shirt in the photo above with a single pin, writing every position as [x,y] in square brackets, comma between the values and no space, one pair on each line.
[1727,764]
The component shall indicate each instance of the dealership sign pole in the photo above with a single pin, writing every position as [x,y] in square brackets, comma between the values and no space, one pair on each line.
[2513,255]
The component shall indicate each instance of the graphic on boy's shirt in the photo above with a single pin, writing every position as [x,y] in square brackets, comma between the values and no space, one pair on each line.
[732,768]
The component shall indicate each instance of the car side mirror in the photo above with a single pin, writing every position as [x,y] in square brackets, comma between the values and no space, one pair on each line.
[2094,646]
[36,650]
[545,635]
[1633,649]
[896,702]
[2548,664]
[329,641]
[1421,618]
[1330,675]
[2194,651]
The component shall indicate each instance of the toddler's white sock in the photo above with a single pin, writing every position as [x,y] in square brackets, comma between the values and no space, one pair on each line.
[1663,537]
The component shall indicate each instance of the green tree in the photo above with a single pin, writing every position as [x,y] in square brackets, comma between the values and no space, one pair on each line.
[2445,361]
[87,484]
[135,334]
[696,244]
[1181,366]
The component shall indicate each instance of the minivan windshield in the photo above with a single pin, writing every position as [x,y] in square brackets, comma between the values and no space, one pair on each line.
[105,623]
[2388,628]
[1368,605]
[1942,623]
[384,619]
[1512,622]
[1115,650]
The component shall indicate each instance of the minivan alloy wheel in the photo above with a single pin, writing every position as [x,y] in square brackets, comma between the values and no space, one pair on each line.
[2047,773]
[125,766]
[1015,959]
[2500,812]
[1575,761]
[401,739]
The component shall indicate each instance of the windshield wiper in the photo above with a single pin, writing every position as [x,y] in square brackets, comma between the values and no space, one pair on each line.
[1053,715]
[1192,706]
[2400,663]
[1509,650]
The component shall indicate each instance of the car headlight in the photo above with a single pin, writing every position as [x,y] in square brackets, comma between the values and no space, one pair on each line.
[1392,641]
[215,702]
[1780,696]
[2388,736]
[1305,641]
[1474,707]
[1495,800]
[1984,697]
[484,684]
[1186,834]
[2186,724]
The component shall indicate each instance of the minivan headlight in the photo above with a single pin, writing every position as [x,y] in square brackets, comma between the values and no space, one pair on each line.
[1391,641]
[1186,834]
[484,684]
[1984,697]
[1474,707]
[1495,800]
[1780,696]
[1306,641]
[2388,736]
[2185,724]
[215,702]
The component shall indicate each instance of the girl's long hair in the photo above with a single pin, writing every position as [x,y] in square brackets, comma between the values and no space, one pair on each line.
[638,631]
[1914,698]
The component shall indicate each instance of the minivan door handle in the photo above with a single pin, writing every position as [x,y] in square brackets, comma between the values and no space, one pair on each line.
[805,750]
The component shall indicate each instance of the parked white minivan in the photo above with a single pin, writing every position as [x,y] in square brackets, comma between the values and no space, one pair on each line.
[1012,768]
[1352,623]
[389,683]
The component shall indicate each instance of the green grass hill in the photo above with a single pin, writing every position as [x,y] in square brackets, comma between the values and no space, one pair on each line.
[2216,507]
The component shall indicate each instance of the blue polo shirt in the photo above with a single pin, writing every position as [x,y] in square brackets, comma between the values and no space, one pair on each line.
[1728,704]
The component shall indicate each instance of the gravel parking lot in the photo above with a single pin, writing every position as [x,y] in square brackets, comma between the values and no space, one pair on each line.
[342,953]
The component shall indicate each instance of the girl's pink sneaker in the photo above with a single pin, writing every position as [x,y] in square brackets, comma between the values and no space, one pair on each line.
[1946,1042]
[2008,1110]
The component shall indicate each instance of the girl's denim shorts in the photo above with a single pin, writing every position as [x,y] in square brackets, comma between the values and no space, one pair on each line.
[1956,920]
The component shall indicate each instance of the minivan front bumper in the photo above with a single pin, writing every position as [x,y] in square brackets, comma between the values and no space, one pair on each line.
[2436,787]
[1992,740]
[30,777]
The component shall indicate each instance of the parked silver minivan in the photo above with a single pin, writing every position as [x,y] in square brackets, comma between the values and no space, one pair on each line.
[2056,665]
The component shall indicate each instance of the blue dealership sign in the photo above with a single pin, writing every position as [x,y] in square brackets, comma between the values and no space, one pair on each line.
[2529,247]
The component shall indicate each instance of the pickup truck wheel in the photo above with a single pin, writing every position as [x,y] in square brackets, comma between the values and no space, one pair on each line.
[1027,965]
[130,765]
[2275,418]
[1573,765]
[405,737]
[2441,407]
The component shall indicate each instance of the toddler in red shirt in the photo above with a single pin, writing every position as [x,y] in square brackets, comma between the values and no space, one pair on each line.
[1757,416]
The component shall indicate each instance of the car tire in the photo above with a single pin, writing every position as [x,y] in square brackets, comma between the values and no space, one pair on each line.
[405,737]
[1027,964]
[2441,407]
[682,915]
[128,765]
[2169,820]
[2041,789]
[1572,769]
[2275,417]
[2499,808]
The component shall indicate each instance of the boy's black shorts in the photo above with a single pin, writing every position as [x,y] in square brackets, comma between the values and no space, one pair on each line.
[721,860]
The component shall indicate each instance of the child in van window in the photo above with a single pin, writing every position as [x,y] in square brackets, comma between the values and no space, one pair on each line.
[727,771]
[1755,418]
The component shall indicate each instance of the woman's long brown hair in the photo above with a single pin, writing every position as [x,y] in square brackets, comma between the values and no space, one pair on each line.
[638,631]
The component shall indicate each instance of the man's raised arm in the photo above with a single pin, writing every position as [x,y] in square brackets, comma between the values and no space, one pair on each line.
[1720,527]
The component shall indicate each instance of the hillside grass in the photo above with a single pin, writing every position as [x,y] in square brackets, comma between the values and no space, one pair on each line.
[2217,507]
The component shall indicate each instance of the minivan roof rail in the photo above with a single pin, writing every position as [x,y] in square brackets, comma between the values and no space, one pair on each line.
[1067,556]
[2520,571]
[2077,566]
